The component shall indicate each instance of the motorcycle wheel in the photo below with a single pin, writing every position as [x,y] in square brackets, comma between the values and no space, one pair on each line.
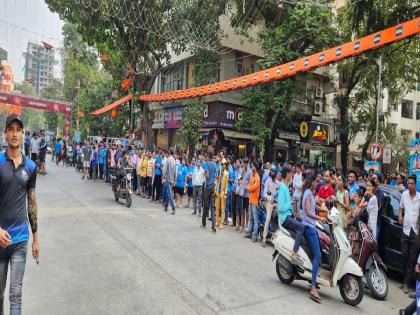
[377,282]
[351,289]
[283,274]
[128,201]
[116,196]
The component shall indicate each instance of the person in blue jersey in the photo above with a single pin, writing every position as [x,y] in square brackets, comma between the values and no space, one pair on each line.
[157,181]
[181,176]
[18,211]
[191,168]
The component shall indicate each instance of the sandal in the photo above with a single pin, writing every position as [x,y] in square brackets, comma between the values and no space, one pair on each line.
[315,298]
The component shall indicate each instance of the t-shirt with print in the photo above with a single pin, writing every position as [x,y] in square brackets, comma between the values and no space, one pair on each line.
[181,172]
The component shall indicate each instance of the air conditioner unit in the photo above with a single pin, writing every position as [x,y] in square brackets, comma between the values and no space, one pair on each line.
[318,108]
[319,92]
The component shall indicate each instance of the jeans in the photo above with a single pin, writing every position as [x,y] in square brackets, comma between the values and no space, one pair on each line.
[107,173]
[298,227]
[253,221]
[101,171]
[228,211]
[157,187]
[208,205]
[15,255]
[138,186]
[197,198]
[167,188]
[233,208]
[312,238]
[409,253]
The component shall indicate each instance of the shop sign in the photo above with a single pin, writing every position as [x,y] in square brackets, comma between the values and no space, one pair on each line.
[414,160]
[173,118]
[158,116]
[221,115]
[372,165]
[319,133]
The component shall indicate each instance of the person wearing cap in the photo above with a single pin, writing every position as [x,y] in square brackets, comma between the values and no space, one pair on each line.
[18,210]
[221,189]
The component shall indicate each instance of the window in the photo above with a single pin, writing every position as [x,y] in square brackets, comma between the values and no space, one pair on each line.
[173,79]
[239,64]
[407,109]
[418,111]
[417,135]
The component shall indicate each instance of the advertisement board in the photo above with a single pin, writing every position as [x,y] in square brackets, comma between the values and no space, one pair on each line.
[414,160]
[372,164]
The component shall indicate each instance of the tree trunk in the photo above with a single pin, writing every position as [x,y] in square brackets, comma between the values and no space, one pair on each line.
[366,145]
[269,149]
[343,102]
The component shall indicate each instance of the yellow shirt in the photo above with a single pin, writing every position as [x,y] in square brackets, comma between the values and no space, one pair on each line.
[143,170]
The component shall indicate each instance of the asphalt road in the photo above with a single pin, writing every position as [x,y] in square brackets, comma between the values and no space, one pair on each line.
[99,257]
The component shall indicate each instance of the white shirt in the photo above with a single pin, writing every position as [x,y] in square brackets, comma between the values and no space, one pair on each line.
[272,187]
[35,145]
[198,177]
[297,185]
[411,211]
[372,209]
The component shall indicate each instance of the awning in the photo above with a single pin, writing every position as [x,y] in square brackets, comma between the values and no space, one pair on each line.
[111,106]
[230,134]
[309,146]
[281,143]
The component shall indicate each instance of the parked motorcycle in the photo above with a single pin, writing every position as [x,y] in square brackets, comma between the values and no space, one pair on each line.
[122,190]
[365,253]
[337,269]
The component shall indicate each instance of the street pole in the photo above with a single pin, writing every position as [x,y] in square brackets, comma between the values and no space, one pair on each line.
[378,103]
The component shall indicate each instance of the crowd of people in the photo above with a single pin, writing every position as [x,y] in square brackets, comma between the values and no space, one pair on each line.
[228,192]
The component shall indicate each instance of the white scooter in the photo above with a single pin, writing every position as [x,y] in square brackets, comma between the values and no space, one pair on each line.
[341,269]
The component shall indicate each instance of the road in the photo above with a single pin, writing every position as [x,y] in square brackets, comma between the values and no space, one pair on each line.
[99,257]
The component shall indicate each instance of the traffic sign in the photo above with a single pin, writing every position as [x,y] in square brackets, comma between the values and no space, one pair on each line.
[386,159]
[375,151]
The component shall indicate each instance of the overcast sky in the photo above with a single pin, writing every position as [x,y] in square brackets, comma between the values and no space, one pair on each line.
[27,20]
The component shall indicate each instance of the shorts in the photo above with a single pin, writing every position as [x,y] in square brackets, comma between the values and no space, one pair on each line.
[179,190]
[34,157]
[190,191]
[42,157]
[143,181]
[239,204]
[86,164]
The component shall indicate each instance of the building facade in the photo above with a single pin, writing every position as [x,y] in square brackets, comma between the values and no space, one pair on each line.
[3,54]
[39,65]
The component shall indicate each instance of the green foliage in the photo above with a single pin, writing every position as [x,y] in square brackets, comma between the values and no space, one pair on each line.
[53,91]
[192,121]
[400,65]
[206,68]
[32,118]
[304,29]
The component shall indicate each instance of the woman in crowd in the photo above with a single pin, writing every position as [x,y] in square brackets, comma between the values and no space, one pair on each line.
[309,218]
[342,201]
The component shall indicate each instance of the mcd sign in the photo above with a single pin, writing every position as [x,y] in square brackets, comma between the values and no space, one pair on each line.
[223,115]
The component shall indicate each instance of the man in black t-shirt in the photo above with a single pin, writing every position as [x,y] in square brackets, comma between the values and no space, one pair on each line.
[42,152]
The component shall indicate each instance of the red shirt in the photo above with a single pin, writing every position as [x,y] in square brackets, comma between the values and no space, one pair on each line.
[324,192]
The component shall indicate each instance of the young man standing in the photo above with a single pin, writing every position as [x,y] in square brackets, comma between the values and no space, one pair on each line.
[253,189]
[87,157]
[18,210]
[209,193]
[221,194]
[408,218]
[198,180]
[169,181]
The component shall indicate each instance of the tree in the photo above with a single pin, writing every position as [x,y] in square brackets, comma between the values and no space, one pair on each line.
[142,33]
[400,59]
[53,91]
[32,118]
[192,121]
[301,30]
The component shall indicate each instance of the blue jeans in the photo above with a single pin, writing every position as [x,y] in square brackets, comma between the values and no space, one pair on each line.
[296,226]
[253,221]
[312,238]
[168,196]
[15,255]
[228,211]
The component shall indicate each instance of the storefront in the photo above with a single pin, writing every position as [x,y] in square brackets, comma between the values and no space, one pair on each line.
[315,148]
[165,124]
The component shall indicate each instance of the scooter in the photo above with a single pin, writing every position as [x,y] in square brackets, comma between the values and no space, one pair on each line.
[366,255]
[339,269]
[123,190]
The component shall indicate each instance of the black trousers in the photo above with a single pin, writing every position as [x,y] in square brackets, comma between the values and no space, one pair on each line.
[411,308]
[233,203]
[157,187]
[208,204]
[410,253]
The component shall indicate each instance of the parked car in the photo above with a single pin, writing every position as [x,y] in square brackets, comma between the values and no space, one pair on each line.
[389,242]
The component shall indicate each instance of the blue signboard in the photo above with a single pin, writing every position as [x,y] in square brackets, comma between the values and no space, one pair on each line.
[414,160]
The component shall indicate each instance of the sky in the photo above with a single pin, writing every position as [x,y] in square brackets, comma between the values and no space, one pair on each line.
[27,20]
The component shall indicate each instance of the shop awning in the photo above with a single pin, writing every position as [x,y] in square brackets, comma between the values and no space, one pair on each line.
[309,146]
[281,143]
[230,134]
[111,106]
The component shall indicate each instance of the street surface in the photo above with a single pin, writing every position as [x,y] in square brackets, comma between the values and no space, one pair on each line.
[99,257]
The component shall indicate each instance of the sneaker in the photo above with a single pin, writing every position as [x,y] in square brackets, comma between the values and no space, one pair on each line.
[165,209]
[401,312]
[247,235]
[213,230]
[194,212]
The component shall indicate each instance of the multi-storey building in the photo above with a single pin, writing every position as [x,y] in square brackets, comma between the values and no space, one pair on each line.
[39,65]
[3,54]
